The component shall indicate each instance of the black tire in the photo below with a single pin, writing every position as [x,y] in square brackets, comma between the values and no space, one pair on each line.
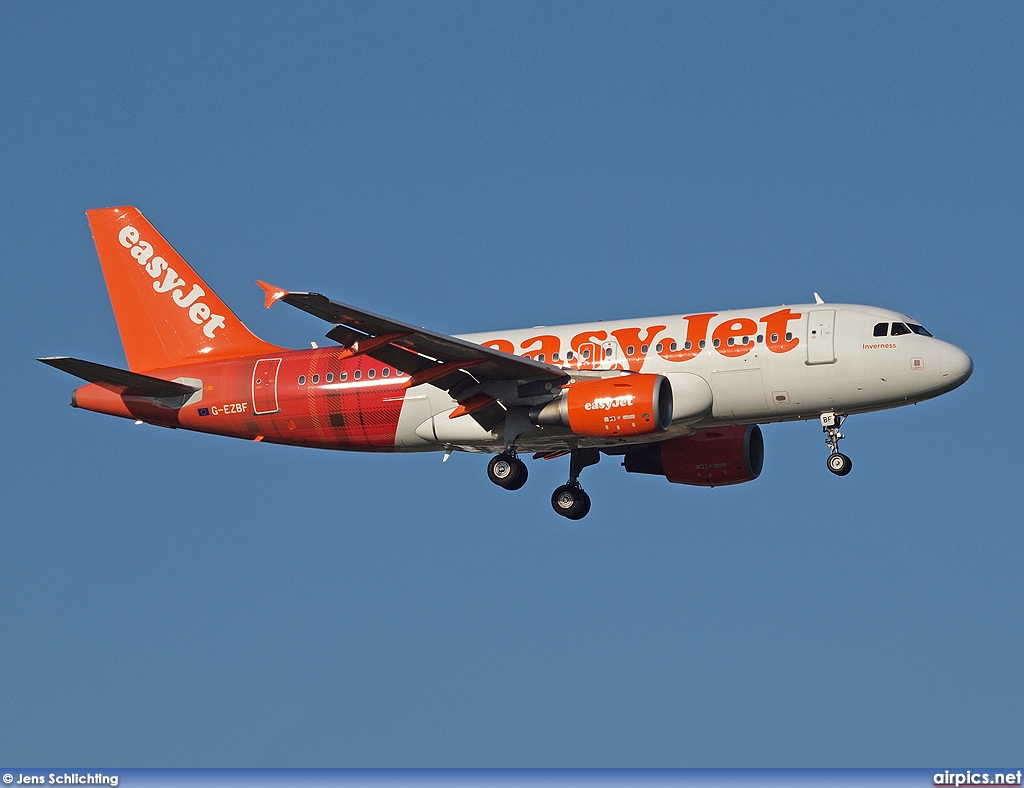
[522,473]
[585,509]
[839,464]
[570,501]
[507,471]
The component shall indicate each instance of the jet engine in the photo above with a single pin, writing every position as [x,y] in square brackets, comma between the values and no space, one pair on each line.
[610,407]
[724,455]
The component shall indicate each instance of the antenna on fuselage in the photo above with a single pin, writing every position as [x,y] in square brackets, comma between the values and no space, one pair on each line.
[818,299]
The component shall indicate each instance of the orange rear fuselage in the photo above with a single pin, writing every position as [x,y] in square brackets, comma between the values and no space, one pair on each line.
[339,403]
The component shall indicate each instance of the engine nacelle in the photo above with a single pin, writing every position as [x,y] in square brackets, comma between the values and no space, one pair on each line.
[725,455]
[610,407]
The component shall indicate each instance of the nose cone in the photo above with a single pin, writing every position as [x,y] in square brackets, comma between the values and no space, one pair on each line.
[956,366]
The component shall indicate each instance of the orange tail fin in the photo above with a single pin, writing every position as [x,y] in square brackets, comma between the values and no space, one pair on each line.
[166,314]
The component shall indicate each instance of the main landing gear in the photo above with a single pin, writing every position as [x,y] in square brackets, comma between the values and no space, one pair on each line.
[571,500]
[507,470]
[837,462]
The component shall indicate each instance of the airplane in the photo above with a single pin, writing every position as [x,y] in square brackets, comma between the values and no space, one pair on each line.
[678,396]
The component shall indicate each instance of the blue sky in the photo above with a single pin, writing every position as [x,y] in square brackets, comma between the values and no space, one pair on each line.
[172,599]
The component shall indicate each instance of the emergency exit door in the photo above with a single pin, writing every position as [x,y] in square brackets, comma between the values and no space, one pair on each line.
[264,385]
[609,351]
[820,340]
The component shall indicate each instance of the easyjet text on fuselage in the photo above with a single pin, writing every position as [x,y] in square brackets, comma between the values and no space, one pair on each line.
[733,337]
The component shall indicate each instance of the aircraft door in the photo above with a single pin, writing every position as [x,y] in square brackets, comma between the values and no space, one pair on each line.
[264,385]
[820,339]
[589,355]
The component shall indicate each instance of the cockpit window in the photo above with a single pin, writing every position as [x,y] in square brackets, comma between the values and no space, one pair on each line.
[899,329]
[881,329]
[919,329]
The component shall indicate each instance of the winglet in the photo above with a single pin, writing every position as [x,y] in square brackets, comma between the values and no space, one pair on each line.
[274,294]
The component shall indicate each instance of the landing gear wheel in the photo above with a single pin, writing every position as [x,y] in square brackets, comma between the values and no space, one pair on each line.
[586,506]
[570,501]
[521,474]
[507,471]
[840,464]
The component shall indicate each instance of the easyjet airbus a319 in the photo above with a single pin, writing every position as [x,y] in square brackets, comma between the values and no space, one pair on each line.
[678,396]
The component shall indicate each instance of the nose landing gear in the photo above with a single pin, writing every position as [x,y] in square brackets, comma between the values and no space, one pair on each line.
[837,462]
[508,471]
[571,500]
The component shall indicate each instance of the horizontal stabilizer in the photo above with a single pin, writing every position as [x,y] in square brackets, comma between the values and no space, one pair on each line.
[120,380]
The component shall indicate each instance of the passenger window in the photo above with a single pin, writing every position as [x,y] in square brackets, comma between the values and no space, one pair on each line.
[919,329]
[789,336]
[732,341]
[586,354]
[701,344]
[898,330]
[316,379]
[387,372]
[659,347]
[357,374]
[760,338]
[718,342]
[330,377]
[343,376]
[630,350]
[554,357]
[302,380]
[644,349]
[372,373]
[775,338]
[540,356]
[881,330]
[673,346]
[568,355]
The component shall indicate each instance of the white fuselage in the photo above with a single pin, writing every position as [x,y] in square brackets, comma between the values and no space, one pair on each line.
[737,367]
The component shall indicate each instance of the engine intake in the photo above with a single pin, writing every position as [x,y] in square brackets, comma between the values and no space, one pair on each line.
[610,407]
[725,455]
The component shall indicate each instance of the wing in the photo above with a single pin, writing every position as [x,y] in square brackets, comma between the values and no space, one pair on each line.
[461,368]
